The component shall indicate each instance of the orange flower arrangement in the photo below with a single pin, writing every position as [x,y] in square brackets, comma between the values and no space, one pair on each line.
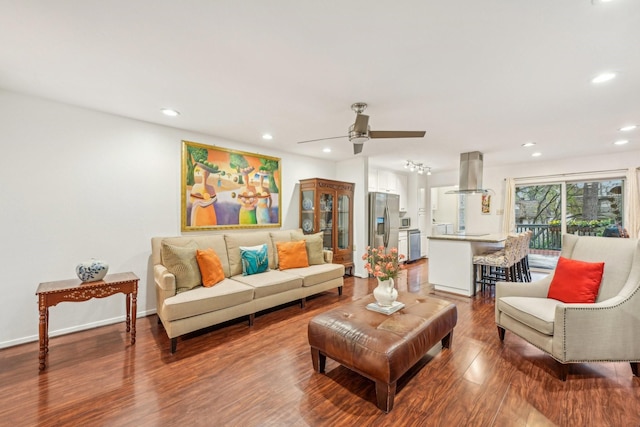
[381,265]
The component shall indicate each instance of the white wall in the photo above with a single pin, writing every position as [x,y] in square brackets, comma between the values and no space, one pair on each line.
[356,170]
[78,184]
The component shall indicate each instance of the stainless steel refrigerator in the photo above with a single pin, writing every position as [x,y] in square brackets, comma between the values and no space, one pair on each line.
[384,220]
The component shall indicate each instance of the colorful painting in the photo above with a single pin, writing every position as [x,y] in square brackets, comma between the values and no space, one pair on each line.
[224,188]
[486,204]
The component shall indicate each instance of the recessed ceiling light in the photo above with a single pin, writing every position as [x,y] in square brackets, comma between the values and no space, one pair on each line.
[536,154]
[528,144]
[267,136]
[169,112]
[604,77]
[628,128]
[621,142]
[326,150]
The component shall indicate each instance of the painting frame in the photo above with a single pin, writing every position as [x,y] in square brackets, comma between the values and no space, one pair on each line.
[486,204]
[223,189]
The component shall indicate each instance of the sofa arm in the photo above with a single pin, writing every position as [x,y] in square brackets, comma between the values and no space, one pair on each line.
[328,256]
[165,283]
[605,330]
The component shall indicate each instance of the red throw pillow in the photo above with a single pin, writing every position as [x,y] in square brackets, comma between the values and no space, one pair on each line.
[576,281]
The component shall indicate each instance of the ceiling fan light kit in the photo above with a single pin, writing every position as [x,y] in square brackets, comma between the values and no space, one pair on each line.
[359,131]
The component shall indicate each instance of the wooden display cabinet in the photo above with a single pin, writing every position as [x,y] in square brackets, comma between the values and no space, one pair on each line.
[327,206]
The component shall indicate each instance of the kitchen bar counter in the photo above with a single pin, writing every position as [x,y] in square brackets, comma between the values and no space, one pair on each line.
[451,260]
[486,238]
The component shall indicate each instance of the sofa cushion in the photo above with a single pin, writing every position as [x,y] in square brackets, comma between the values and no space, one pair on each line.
[235,240]
[270,282]
[227,293]
[292,255]
[181,262]
[276,237]
[206,241]
[314,244]
[537,313]
[576,281]
[315,274]
[210,267]
[255,259]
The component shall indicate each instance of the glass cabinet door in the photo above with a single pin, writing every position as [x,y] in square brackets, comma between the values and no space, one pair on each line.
[343,221]
[307,216]
[326,219]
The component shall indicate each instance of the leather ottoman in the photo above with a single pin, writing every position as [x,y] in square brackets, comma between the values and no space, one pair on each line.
[378,346]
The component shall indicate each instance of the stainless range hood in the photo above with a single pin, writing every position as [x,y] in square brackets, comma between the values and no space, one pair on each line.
[470,175]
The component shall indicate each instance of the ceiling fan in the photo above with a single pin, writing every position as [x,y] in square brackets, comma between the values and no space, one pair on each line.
[359,131]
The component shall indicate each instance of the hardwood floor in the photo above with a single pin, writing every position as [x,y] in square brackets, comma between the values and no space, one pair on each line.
[262,376]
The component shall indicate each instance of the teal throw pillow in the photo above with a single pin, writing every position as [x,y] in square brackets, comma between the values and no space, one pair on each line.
[255,259]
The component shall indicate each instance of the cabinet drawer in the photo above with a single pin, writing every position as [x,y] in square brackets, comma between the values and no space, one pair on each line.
[342,258]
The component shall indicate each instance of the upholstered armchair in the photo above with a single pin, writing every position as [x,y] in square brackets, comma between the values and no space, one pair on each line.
[605,330]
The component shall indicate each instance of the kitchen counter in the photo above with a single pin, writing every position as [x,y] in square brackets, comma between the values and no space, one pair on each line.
[451,260]
[487,238]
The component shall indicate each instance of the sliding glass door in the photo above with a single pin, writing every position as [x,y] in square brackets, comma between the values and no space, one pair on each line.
[587,208]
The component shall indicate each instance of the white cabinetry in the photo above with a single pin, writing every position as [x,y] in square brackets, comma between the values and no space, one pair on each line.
[403,244]
[423,225]
[373,180]
[434,199]
[387,182]
[402,186]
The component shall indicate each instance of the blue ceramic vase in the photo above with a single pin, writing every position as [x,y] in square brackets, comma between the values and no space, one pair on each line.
[92,270]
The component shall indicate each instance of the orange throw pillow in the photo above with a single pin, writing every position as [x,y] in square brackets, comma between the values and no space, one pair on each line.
[576,281]
[210,267]
[292,255]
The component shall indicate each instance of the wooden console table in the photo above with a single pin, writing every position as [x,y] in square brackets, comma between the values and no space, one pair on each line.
[51,293]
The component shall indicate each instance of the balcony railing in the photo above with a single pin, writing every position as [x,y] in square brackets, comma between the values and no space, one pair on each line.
[544,236]
[549,237]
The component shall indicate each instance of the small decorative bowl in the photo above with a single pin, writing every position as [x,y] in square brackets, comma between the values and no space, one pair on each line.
[92,270]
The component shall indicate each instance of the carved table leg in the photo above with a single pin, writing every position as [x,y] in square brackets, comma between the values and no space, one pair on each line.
[43,332]
[134,311]
[128,311]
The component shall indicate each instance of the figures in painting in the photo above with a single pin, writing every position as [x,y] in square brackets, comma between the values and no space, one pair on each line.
[202,198]
[226,188]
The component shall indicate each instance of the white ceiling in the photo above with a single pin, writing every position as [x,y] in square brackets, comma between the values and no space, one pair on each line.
[476,75]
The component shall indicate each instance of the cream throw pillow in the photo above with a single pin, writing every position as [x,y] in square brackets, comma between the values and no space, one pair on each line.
[313,243]
[181,262]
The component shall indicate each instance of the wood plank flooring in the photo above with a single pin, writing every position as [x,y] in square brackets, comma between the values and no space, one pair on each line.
[234,375]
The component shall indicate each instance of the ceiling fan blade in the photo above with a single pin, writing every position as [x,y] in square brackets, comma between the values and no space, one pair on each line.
[321,139]
[357,148]
[396,134]
[362,121]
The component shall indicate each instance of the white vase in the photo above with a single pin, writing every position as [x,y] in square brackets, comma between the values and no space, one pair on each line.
[92,270]
[386,293]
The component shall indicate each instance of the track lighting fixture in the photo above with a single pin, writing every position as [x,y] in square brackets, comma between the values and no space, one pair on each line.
[419,167]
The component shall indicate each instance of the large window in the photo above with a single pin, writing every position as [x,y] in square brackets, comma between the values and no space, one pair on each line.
[586,207]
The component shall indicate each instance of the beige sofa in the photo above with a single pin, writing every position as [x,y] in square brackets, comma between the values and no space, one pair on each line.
[237,295]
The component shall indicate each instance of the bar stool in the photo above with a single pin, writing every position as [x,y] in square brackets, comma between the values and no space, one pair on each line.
[523,264]
[499,265]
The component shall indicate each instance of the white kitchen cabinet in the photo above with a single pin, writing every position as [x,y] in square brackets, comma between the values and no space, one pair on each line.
[387,181]
[373,180]
[424,245]
[434,199]
[402,187]
[403,243]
